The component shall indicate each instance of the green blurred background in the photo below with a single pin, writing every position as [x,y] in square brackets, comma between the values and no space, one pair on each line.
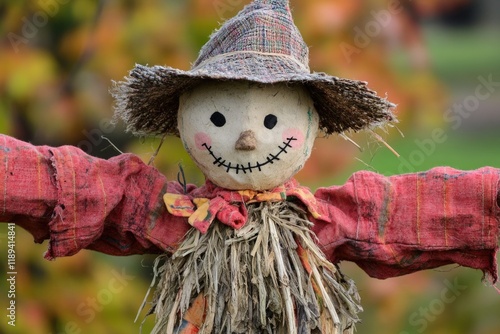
[57,61]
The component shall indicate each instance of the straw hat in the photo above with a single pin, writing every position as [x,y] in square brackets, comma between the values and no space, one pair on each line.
[261,44]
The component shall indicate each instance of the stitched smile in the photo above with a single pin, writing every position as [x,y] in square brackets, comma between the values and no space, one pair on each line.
[270,159]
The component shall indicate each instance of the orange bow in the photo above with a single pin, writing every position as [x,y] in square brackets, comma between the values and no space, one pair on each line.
[229,207]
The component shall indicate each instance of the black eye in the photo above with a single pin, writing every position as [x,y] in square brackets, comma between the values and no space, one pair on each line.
[270,121]
[218,119]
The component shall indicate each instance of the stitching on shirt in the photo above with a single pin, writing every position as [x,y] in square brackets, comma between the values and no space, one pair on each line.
[445,213]
[418,209]
[104,193]
[73,174]
[483,207]
[357,205]
[426,248]
[39,173]
[385,210]
[5,178]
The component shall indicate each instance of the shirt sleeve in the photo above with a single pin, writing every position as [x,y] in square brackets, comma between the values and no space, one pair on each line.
[77,201]
[392,226]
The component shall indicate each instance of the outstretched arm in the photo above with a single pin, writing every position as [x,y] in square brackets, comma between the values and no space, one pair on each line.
[78,201]
[396,225]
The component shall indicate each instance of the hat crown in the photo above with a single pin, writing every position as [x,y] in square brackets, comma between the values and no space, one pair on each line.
[261,44]
[265,27]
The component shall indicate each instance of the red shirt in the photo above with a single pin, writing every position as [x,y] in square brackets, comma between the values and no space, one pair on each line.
[389,226]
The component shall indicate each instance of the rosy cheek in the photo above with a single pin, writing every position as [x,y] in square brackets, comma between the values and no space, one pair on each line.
[296,134]
[202,138]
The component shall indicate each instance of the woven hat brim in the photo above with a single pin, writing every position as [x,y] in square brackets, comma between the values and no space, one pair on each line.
[148,100]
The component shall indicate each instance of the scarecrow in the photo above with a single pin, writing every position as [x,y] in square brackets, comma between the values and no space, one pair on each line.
[251,250]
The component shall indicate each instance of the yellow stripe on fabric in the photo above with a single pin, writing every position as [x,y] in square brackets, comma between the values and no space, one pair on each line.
[356,198]
[201,212]
[445,214]
[75,217]
[308,199]
[179,205]
[483,215]
[104,194]
[393,254]
[38,177]
[418,208]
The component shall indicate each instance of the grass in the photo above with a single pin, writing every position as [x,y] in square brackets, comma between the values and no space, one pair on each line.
[459,56]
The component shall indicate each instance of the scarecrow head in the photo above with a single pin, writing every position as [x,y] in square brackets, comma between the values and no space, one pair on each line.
[249,109]
[245,135]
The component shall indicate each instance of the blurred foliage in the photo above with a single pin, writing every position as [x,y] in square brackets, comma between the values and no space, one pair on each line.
[57,62]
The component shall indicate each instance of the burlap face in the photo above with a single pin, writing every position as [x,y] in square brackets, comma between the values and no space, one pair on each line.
[248,136]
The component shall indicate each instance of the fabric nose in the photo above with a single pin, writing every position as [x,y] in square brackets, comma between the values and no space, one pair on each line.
[247,141]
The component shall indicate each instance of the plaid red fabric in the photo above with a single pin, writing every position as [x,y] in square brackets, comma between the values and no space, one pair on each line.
[389,226]
[396,225]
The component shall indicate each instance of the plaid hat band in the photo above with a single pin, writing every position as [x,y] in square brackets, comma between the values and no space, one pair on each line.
[227,57]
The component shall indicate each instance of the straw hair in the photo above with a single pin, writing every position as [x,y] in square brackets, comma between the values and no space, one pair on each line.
[261,44]
[268,277]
